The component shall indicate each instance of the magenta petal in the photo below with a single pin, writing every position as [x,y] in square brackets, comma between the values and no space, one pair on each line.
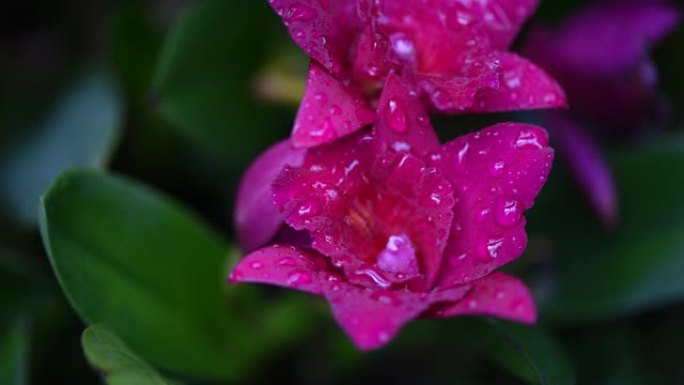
[257,220]
[497,295]
[323,29]
[283,266]
[329,110]
[606,39]
[497,173]
[522,86]
[503,18]
[372,317]
[586,164]
[402,121]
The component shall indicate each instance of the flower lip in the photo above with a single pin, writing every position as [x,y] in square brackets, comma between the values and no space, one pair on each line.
[388,222]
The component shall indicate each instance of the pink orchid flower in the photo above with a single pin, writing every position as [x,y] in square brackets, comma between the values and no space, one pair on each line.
[403,227]
[600,56]
[451,52]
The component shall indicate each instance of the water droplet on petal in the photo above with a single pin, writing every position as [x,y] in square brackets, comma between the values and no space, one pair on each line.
[395,115]
[256,265]
[299,12]
[287,261]
[497,169]
[298,278]
[488,249]
[508,212]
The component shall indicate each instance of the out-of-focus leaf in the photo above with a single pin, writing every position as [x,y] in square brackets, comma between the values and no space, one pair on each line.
[636,266]
[120,366]
[14,346]
[530,353]
[609,355]
[135,39]
[81,131]
[149,270]
[205,76]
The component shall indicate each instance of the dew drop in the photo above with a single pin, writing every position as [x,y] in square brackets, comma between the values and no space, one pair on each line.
[395,115]
[497,169]
[300,12]
[287,261]
[298,278]
[256,265]
[508,212]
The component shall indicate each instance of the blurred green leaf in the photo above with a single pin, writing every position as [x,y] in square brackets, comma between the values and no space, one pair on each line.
[128,258]
[636,266]
[14,346]
[530,353]
[204,78]
[120,366]
[81,131]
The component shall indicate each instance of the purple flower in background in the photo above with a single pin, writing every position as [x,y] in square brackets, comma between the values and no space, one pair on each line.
[403,227]
[600,56]
[452,53]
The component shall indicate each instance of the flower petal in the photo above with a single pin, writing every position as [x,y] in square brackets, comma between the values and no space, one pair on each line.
[433,36]
[522,86]
[353,196]
[329,110]
[503,18]
[323,29]
[402,121]
[257,219]
[497,295]
[600,57]
[372,317]
[282,266]
[586,164]
[497,173]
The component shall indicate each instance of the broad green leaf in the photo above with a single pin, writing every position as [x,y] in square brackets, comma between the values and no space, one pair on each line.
[14,346]
[81,131]
[111,357]
[204,80]
[141,264]
[636,266]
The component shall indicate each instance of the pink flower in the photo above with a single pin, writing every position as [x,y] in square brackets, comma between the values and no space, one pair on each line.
[600,56]
[402,227]
[452,52]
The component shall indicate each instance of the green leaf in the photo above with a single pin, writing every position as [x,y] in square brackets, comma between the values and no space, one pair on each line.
[530,353]
[120,366]
[203,82]
[636,266]
[81,131]
[149,270]
[14,346]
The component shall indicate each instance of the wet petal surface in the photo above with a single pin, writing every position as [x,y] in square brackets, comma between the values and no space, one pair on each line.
[522,86]
[282,266]
[324,29]
[403,123]
[496,174]
[497,295]
[329,110]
